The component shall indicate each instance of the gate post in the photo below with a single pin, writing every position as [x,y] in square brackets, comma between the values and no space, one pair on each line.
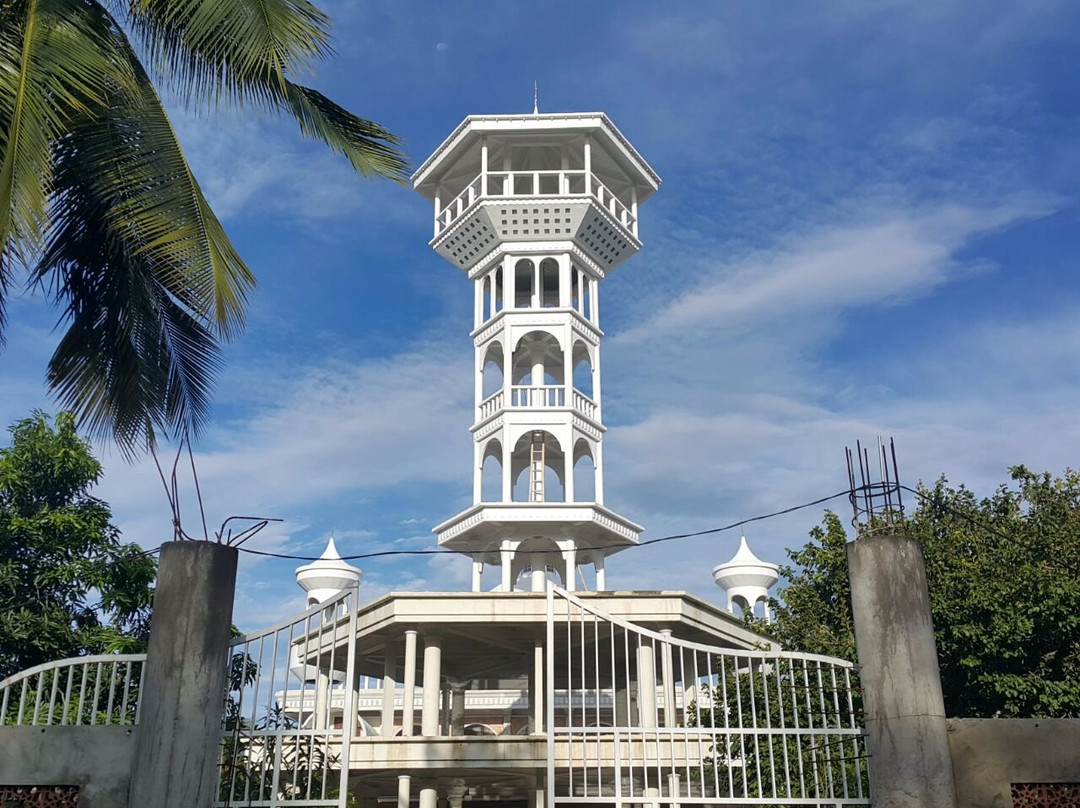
[184,683]
[910,766]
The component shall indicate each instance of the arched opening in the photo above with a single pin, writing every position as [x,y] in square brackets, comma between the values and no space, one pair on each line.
[537,465]
[537,375]
[761,608]
[549,283]
[584,473]
[485,293]
[479,729]
[492,371]
[575,288]
[740,606]
[417,731]
[533,556]
[524,276]
[583,371]
[491,473]
[498,275]
[586,297]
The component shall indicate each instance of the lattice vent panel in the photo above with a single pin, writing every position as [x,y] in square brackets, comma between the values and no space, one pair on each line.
[538,221]
[603,239]
[471,241]
[1046,795]
[39,796]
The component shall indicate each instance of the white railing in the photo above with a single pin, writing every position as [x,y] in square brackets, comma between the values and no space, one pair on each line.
[82,691]
[491,405]
[663,720]
[585,405]
[290,713]
[538,395]
[531,184]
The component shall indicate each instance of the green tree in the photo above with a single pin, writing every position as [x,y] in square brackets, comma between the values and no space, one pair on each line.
[1004,580]
[99,206]
[68,585]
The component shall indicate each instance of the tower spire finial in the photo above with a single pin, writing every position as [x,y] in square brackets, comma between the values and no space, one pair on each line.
[536,98]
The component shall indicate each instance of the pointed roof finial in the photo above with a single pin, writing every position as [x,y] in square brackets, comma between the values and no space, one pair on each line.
[536,98]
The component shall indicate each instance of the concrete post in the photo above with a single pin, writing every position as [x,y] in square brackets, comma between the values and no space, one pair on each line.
[428,797]
[906,739]
[389,684]
[185,680]
[404,783]
[409,691]
[457,708]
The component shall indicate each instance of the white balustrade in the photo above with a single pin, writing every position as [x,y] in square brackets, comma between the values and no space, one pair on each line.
[490,405]
[565,183]
[536,396]
[585,405]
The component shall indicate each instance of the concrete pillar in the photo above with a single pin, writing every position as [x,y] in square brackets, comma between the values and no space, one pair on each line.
[477,574]
[389,687]
[432,683]
[506,561]
[538,578]
[185,680]
[404,784]
[671,715]
[428,797]
[906,736]
[601,578]
[409,691]
[457,708]
[570,565]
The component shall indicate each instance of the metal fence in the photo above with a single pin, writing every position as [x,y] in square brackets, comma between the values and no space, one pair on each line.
[648,718]
[81,691]
[290,712]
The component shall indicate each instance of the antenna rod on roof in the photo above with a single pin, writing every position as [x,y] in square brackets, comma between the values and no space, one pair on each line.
[536,98]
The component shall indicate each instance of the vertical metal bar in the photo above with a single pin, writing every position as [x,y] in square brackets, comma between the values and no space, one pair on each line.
[839,725]
[769,736]
[139,699]
[795,719]
[697,704]
[127,692]
[825,734]
[348,716]
[234,750]
[67,695]
[97,695]
[810,726]
[783,726]
[4,705]
[328,722]
[52,694]
[37,697]
[722,682]
[629,719]
[549,686]
[754,723]
[22,704]
[112,694]
[569,692]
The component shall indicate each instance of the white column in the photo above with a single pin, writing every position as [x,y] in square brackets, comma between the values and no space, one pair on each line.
[478,472]
[633,209]
[506,556]
[438,208]
[508,182]
[507,453]
[568,467]
[536,694]
[403,786]
[598,473]
[570,562]
[483,166]
[539,573]
[322,699]
[477,574]
[432,682]
[594,302]
[389,687]
[564,281]
[601,578]
[478,303]
[509,283]
[409,692]
[428,797]
[588,165]
[646,685]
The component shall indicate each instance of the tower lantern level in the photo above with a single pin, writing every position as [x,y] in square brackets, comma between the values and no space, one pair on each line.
[536,210]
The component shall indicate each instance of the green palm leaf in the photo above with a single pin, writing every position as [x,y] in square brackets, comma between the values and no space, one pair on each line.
[55,59]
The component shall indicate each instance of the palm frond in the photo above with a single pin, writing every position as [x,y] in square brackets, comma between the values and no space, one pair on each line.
[55,61]
[236,50]
[368,146]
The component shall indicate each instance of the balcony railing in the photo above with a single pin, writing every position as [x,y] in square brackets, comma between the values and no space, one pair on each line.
[507,184]
[533,396]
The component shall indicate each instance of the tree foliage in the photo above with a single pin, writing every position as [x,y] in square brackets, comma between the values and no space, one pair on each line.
[1004,580]
[68,585]
[99,204]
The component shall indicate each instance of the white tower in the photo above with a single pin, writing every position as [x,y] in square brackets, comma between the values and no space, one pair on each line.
[536,210]
[327,577]
[747,580]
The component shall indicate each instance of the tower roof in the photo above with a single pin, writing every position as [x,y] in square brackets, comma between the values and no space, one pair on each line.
[746,569]
[328,576]
[463,142]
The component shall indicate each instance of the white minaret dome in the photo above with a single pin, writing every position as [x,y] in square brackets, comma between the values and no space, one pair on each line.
[746,579]
[327,577]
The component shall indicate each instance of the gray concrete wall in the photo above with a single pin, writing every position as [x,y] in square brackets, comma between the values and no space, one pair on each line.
[990,754]
[96,759]
[185,677]
[906,739]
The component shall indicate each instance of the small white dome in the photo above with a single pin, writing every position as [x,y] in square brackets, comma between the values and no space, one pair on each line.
[327,577]
[746,577]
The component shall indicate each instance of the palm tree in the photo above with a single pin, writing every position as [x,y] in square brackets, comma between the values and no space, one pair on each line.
[99,207]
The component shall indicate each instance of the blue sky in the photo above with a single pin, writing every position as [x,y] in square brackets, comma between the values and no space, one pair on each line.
[868,225]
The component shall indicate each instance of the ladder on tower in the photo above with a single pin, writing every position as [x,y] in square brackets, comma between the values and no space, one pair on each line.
[536,467]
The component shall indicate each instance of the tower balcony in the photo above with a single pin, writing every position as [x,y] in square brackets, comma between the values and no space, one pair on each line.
[538,397]
[514,206]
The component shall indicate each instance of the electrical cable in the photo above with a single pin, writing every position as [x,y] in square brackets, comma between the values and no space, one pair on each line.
[732,526]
